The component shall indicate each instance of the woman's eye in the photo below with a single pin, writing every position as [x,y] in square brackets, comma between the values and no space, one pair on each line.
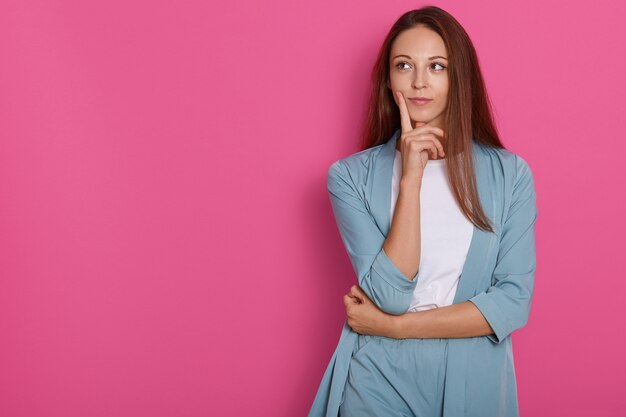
[441,66]
[399,65]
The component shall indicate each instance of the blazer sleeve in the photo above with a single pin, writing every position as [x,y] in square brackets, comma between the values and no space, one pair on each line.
[377,275]
[506,304]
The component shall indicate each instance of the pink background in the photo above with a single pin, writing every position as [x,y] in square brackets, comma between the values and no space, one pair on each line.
[167,246]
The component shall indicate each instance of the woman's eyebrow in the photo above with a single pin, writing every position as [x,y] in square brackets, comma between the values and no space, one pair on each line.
[430,59]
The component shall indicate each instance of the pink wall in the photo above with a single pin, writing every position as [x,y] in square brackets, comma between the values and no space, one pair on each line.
[167,247]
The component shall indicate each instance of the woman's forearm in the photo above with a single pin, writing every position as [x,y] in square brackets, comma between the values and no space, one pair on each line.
[453,321]
[402,245]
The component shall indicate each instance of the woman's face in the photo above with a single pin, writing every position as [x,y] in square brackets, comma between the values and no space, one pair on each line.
[418,68]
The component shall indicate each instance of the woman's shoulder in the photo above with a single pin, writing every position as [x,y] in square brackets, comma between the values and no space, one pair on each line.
[512,168]
[512,164]
[356,165]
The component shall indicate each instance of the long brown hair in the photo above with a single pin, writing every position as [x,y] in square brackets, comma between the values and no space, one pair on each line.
[467,115]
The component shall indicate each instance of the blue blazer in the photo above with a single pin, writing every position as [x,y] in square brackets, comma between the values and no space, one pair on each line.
[498,275]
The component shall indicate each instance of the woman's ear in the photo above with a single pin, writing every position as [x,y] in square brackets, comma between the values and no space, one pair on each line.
[388,85]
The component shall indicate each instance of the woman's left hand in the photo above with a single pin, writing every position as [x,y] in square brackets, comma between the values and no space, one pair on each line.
[364,317]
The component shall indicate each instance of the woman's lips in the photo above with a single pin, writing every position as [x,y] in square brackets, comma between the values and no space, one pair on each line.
[420,101]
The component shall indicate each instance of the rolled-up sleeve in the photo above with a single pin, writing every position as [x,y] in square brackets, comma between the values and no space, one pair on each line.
[377,275]
[506,304]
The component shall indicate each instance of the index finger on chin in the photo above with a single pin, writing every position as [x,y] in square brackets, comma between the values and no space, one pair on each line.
[405,119]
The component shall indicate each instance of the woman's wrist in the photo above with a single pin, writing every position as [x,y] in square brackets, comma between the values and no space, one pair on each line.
[410,184]
[394,326]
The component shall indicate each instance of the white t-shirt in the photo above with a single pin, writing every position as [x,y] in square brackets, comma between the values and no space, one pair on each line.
[445,236]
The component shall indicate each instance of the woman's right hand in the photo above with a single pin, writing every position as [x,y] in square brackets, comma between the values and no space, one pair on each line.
[416,143]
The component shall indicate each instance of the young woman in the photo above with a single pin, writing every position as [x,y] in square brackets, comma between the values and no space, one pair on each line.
[438,219]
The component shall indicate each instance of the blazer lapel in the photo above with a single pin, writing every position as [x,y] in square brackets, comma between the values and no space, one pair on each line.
[481,242]
[382,172]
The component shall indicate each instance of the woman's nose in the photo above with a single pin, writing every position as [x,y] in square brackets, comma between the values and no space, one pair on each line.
[419,80]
